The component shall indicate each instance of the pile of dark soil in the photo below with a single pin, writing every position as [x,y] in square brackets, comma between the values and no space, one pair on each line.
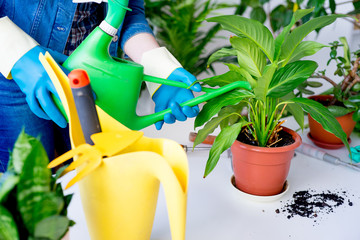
[310,204]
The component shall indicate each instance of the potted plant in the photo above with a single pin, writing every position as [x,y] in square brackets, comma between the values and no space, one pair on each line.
[32,203]
[342,99]
[273,69]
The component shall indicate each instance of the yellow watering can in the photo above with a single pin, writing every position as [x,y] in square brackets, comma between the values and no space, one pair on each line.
[121,172]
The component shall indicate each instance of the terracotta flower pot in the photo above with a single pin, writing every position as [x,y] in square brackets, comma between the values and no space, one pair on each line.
[319,134]
[262,171]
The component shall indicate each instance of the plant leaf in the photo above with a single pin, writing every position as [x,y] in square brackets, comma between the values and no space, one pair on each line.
[52,228]
[8,182]
[339,111]
[306,48]
[285,32]
[223,141]
[223,79]
[213,106]
[322,115]
[261,88]
[286,79]
[295,110]
[254,30]
[223,52]
[8,229]
[250,57]
[299,33]
[347,57]
[35,201]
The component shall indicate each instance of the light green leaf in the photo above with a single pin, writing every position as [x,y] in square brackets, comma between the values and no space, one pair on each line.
[306,48]
[263,82]
[213,106]
[222,142]
[250,57]
[224,52]
[8,228]
[33,190]
[52,228]
[243,72]
[283,35]
[299,33]
[347,56]
[254,30]
[295,110]
[322,115]
[286,79]
[8,182]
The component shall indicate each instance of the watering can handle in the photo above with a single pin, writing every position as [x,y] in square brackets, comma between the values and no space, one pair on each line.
[209,92]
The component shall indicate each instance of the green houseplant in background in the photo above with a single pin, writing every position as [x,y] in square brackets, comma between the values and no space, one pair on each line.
[178,25]
[342,98]
[32,204]
[279,15]
[274,70]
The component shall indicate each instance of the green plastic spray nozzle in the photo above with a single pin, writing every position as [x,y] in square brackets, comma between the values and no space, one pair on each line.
[117,82]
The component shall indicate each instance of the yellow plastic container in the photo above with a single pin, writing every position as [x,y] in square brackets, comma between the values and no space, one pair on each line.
[119,196]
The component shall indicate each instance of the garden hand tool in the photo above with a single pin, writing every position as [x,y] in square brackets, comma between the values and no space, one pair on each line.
[85,103]
[117,82]
[314,152]
[33,80]
[355,154]
[119,195]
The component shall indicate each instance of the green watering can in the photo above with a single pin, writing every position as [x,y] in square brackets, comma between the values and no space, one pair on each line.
[117,82]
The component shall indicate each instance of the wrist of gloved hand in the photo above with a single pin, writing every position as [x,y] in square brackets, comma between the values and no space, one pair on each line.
[34,82]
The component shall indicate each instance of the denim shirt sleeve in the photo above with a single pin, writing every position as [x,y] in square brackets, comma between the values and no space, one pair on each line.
[134,22]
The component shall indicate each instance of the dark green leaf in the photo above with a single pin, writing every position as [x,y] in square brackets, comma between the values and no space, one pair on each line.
[222,142]
[280,17]
[338,111]
[8,229]
[258,14]
[289,77]
[314,84]
[322,115]
[223,79]
[53,227]
[332,6]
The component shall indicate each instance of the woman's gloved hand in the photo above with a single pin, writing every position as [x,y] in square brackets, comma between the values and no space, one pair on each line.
[159,62]
[33,80]
[171,97]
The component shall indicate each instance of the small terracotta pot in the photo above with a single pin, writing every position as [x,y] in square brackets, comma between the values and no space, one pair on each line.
[317,131]
[262,171]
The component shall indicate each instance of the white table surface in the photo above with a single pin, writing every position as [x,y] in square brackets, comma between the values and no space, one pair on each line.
[216,211]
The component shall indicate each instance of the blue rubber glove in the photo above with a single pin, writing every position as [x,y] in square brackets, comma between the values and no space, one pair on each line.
[33,80]
[170,97]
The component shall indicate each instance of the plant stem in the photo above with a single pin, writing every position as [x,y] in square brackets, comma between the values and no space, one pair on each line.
[326,78]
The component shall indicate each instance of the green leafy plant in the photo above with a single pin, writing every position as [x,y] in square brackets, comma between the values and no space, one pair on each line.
[178,25]
[32,204]
[273,68]
[280,15]
[346,93]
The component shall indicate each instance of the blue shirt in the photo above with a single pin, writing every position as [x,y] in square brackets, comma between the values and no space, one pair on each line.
[49,22]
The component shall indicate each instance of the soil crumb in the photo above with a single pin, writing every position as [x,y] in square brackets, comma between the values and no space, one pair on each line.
[313,205]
